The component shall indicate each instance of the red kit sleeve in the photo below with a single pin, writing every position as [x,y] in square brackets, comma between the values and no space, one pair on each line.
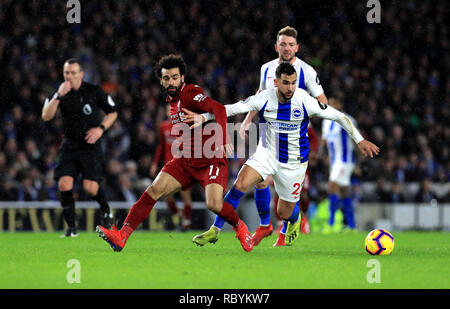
[313,139]
[201,103]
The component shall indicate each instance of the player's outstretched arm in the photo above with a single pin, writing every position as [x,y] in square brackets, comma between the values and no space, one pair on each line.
[253,103]
[327,112]
[246,124]
[198,119]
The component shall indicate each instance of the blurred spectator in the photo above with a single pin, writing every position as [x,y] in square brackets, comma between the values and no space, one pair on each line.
[49,190]
[425,193]
[381,192]
[396,194]
[126,191]
[8,192]
[26,191]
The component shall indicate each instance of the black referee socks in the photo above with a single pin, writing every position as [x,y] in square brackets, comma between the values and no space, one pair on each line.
[68,205]
[101,199]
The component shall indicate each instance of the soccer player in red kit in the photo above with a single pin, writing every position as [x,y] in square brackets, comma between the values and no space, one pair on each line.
[164,154]
[187,167]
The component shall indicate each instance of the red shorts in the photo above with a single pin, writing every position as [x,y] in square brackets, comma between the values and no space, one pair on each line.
[191,171]
[306,182]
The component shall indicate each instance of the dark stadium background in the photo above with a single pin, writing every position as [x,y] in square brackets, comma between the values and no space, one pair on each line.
[392,76]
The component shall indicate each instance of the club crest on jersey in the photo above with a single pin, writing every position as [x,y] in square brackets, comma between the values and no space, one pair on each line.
[296,113]
[87,109]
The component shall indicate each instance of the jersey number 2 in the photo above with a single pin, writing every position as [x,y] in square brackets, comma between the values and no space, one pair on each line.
[297,187]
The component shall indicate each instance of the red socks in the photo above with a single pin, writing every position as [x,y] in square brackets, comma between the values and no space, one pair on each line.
[138,213]
[275,208]
[187,211]
[229,214]
[172,206]
[141,210]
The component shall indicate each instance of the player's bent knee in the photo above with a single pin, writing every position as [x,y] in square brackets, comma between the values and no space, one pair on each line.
[65,187]
[90,187]
[261,185]
[91,191]
[155,191]
[65,184]
[283,213]
[240,186]
[214,205]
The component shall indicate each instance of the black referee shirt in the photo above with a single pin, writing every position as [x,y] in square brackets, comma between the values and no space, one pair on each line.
[81,111]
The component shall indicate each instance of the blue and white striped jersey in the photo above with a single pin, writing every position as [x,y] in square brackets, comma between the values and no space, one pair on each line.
[285,125]
[339,144]
[307,76]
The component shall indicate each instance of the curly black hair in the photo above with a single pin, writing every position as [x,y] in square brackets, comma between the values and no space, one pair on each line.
[169,62]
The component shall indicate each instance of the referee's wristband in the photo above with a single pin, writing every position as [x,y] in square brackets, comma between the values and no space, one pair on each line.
[102,127]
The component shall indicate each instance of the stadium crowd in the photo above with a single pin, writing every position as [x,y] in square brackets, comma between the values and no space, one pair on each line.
[392,76]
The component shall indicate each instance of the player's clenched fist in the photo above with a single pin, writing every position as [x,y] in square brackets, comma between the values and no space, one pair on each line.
[64,88]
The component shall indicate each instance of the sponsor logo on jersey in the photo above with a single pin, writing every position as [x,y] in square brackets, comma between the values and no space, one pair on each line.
[283,126]
[199,97]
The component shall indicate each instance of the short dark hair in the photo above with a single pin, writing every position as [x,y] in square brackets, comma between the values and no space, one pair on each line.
[285,68]
[74,60]
[289,31]
[169,62]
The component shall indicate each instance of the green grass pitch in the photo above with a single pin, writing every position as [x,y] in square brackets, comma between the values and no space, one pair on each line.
[168,260]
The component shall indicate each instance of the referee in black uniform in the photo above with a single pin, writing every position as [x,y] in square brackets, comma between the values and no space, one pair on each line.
[80,104]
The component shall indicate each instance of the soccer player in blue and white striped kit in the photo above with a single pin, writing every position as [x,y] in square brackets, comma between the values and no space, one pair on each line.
[283,147]
[342,156]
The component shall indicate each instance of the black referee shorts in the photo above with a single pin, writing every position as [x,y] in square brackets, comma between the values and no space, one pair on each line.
[73,160]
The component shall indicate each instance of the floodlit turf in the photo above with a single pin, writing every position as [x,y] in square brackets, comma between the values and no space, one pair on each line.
[167,260]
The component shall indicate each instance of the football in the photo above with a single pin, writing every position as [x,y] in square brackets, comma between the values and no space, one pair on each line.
[379,242]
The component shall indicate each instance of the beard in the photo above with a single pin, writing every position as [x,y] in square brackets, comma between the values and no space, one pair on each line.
[286,97]
[290,57]
[171,91]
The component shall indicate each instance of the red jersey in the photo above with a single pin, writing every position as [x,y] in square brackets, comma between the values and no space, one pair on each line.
[314,146]
[165,140]
[198,145]
[313,139]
